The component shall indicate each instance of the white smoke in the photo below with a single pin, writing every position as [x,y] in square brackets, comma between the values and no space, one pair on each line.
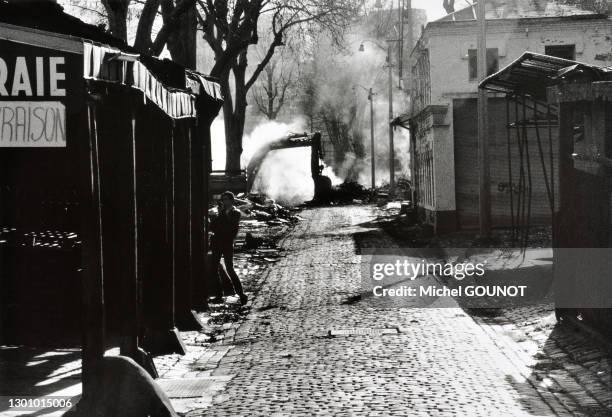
[285,174]
[266,132]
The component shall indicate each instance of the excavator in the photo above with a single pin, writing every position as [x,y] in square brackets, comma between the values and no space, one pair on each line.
[322,184]
[241,182]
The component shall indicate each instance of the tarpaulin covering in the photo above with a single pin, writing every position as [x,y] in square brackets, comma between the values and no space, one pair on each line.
[103,63]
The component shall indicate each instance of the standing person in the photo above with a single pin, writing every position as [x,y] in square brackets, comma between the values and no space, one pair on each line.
[225,228]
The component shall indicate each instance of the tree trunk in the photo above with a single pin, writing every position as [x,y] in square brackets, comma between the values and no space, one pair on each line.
[234,129]
[143,40]
[182,42]
[234,112]
[233,141]
[117,12]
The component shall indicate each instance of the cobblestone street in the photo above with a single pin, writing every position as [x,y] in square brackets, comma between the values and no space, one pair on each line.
[289,351]
[281,360]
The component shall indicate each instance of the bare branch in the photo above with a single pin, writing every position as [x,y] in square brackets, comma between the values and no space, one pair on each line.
[278,41]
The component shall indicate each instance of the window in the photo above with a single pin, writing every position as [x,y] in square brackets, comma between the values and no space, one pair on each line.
[492,62]
[561,51]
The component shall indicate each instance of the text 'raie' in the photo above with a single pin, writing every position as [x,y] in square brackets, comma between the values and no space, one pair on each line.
[32,79]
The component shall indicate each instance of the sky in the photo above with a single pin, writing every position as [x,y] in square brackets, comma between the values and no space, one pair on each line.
[434,7]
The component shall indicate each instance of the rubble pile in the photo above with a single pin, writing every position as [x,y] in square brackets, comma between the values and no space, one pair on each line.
[403,189]
[263,221]
[260,211]
[351,192]
[260,208]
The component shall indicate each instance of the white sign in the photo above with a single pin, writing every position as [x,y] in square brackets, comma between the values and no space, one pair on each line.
[32,124]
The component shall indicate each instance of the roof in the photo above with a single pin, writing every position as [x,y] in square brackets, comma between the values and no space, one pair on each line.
[50,17]
[165,76]
[520,9]
[532,73]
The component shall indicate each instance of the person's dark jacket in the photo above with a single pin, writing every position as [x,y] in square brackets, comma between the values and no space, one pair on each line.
[225,227]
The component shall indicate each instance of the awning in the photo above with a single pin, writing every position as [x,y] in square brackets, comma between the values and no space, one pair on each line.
[104,63]
[532,73]
[207,86]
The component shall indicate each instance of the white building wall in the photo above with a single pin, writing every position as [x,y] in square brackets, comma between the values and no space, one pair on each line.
[444,165]
[448,44]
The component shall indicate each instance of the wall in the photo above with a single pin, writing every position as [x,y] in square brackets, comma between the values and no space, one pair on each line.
[424,136]
[466,164]
[449,42]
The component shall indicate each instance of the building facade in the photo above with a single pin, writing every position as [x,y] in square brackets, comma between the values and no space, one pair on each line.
[443,113]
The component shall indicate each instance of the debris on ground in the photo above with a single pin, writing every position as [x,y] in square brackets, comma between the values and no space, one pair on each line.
[257,208]
[403,190]
[350,191]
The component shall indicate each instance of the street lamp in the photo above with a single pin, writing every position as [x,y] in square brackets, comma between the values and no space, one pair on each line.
[391,146]
[371,99]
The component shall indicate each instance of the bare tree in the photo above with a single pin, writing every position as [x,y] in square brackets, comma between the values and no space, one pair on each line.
[275,87]
[177,31]
[231,27]
[270,92]
[92,12]
[308,93]
[330,102]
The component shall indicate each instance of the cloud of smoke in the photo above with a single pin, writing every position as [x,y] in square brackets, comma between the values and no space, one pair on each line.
[343,81]
[266,132]
[340,106]
[285,174]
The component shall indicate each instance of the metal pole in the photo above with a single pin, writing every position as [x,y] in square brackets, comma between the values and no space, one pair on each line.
[483,145]
[391,151]
[410,37]
[400,49]
[371,98]
[409,41]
